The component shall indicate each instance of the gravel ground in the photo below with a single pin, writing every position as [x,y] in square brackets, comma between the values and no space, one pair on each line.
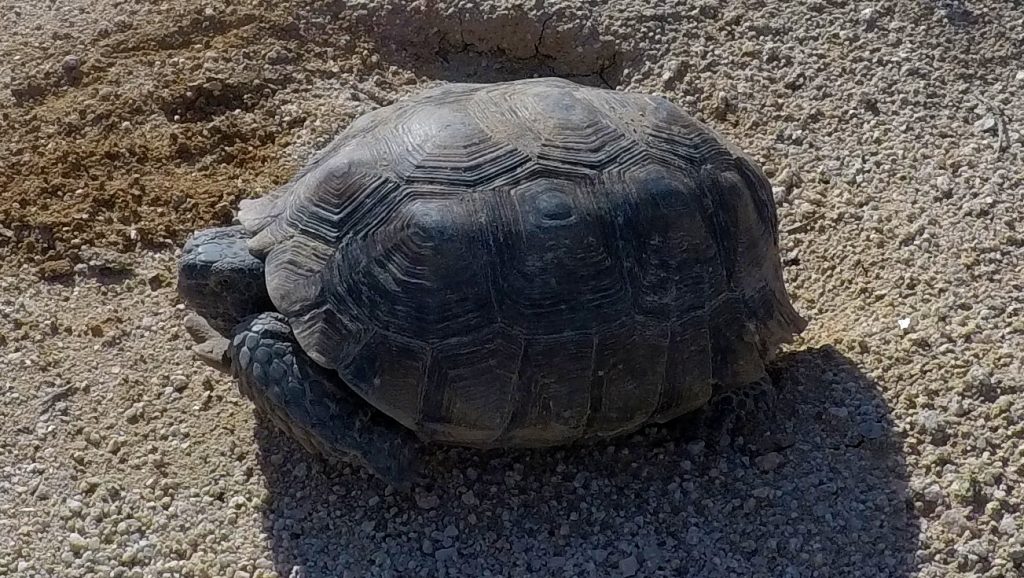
[891,132]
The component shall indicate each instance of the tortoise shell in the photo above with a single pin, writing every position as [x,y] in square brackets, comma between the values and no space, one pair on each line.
[528,263]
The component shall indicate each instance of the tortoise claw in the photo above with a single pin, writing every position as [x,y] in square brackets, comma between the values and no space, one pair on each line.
[211,347]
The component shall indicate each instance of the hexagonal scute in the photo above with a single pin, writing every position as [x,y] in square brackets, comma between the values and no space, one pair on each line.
[555,260]
[678,140]
[446,146]
[422,274]
[662,234]
[555,126]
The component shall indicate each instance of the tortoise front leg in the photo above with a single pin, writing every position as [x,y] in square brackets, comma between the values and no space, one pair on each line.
[314,405]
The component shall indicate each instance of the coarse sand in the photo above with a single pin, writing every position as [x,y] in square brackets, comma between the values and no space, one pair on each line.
[892,134]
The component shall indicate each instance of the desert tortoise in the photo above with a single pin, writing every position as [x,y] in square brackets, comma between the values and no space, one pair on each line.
[516,264]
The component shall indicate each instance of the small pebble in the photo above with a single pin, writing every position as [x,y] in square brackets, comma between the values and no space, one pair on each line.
[839,412]
[629,566]
[871,430]
[986,124]
[769,462]
[71,65]
[445,554]
[77,543]
[427,501]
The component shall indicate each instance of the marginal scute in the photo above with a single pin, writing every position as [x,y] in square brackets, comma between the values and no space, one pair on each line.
[455,408]
[627,376]
[295,279]
[389,372]
[335,332]
[550,401]
[528,263]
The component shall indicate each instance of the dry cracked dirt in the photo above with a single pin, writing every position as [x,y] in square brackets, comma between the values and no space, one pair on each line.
[891,131]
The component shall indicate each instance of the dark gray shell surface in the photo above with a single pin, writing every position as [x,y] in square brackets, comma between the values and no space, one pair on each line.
[528,263]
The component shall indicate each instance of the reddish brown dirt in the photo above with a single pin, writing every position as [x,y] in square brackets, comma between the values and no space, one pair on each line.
[162,128]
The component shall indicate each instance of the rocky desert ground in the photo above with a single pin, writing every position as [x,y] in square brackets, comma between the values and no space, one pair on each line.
[891,131]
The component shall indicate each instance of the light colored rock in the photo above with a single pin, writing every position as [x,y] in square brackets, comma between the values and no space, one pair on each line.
[629,566]
[769,462]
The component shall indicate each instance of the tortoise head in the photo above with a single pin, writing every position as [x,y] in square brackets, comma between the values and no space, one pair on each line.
[219,279]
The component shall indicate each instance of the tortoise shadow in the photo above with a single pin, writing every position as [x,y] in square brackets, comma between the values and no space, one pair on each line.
[821,491]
